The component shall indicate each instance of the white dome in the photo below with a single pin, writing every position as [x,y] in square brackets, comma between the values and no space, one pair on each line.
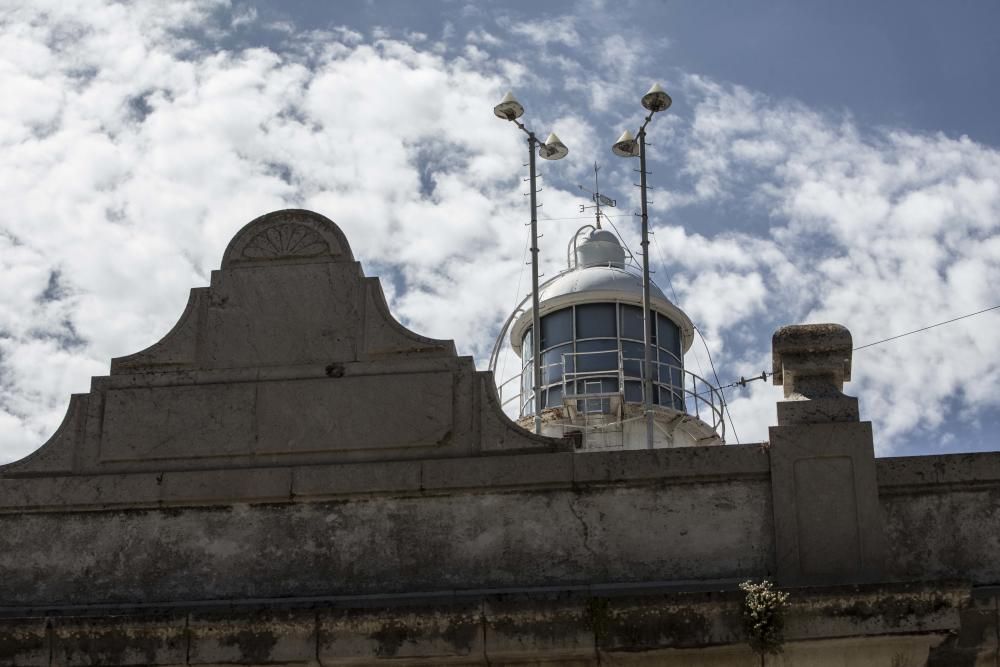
[597,279]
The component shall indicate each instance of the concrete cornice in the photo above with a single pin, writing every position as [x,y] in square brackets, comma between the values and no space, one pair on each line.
[920,474]
[296,484]
[477,474]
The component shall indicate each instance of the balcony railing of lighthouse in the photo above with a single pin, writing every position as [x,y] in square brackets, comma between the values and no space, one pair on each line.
[567,384]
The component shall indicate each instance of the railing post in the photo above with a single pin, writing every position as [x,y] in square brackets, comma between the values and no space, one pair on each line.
[621,373]
[562,358]
[697,403]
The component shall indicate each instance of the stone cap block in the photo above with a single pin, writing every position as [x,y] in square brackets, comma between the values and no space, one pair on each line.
[812,359]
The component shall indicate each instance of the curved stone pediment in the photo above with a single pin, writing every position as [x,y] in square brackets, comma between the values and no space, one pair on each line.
[287,236]
[289,357]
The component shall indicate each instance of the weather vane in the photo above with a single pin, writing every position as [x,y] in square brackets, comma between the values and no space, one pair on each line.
[598,199]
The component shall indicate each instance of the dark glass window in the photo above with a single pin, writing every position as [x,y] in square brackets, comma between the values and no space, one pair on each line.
[552,368]
[631,322]
[526,350]
[633,392]
[605,357]
[670,371]
[594,320]
[671,398]
[557,328]
[553,396]
[632,357]
[670,335]
[668,358]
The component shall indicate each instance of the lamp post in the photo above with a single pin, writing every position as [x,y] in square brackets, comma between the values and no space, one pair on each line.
[552,149]
[628,146]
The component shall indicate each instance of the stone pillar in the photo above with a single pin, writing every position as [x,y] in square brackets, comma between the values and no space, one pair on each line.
[827,517]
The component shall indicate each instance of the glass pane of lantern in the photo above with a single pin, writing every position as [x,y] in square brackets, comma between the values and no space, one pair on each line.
[632,357]
[557,328]
[633,392]
[553,396]
[604,359]
[631,317]
[595,320]
[552,363]
[670,335]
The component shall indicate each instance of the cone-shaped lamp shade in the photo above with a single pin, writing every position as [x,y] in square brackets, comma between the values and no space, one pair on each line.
[626,146]
[509,108]
[553,149]
[656,99]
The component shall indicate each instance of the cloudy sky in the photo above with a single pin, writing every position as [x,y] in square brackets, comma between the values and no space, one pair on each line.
[822,161]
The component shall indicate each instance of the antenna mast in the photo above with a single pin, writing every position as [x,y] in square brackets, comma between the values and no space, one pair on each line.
[597,198]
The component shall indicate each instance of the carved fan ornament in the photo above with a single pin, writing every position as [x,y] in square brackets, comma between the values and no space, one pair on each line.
[285,240]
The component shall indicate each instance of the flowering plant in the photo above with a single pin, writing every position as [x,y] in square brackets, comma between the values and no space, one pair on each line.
[763,616]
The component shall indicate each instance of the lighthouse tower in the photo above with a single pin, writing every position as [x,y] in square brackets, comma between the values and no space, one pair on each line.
[592,352]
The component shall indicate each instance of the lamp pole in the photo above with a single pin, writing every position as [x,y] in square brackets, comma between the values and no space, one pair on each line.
[627,146]
[647,313]
[536,328]
[552,149]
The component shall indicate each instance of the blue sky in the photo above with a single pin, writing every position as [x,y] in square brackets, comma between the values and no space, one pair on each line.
[821,162]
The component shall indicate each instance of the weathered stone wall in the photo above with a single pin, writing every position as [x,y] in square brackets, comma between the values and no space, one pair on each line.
[493,522]
[943,516]
[497,522]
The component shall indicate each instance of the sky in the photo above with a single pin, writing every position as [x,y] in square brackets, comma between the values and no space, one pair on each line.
[821,162]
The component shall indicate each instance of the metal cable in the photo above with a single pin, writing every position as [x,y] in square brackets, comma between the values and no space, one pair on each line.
[722,392]
[929,326]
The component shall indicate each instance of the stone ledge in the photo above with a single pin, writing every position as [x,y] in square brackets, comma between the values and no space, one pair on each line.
[906,474]
[171,378]
[915,474]
[492,627]
[553,470]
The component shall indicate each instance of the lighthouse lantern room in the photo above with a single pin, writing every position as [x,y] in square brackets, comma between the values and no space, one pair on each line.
[592,352]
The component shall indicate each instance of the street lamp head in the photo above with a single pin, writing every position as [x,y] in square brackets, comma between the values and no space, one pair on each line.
[626,146]
[553,149]
[509,108]
[656,99]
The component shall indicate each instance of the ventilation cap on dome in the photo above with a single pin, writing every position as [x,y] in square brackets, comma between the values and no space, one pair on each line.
[600,248]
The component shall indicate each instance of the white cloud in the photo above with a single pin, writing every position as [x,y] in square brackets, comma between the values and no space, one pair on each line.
[559,30]
[482,37]
[884,232]
[243,15]
[126,183]
[134,150]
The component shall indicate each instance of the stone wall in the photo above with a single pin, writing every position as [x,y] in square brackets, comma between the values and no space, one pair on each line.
[454,524]
[943,516]
[515,521]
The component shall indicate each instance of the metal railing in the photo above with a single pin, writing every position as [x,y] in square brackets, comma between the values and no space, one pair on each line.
[675,387]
